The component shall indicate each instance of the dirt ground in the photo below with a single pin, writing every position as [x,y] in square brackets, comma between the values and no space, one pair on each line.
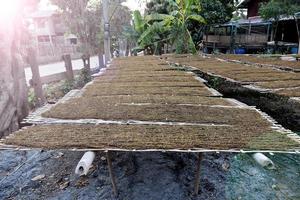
[146,176]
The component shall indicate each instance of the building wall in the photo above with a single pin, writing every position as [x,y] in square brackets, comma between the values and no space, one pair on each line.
[50,35]
[44,26]
[253,7]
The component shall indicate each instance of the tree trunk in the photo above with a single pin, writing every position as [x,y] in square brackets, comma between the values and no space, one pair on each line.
[86,62]
[13,90]
[36,78]
[100,59]
[68,65]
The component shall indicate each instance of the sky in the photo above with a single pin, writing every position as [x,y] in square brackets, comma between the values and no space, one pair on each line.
[135,4]
[46,5]
[131,4]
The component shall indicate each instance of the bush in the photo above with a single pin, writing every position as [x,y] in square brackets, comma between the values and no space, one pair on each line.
[83,78]
[67,86]
[32,101]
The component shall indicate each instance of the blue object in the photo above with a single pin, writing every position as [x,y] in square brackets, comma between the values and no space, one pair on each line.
[294,50]
[240,51]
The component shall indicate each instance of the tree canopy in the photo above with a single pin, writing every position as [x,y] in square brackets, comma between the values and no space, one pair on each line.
[169,28]
[213,11]
[84,18]
[276,9]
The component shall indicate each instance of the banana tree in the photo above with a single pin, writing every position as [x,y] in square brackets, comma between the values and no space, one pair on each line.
[150,31]
[173,26]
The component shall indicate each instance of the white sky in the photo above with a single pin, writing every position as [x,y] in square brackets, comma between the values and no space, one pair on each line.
[135,4]
[131,4]
[46,5]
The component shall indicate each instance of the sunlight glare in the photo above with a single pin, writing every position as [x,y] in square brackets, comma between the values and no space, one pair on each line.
[8,9]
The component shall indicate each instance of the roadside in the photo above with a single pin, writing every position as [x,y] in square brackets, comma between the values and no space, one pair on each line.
[58,67]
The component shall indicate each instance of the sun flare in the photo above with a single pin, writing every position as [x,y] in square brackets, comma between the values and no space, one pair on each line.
[8,9]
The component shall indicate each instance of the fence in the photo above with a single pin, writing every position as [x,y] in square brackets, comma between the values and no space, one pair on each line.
[52,53]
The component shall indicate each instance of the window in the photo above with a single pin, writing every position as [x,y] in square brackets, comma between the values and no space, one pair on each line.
[41,23]
[43,39]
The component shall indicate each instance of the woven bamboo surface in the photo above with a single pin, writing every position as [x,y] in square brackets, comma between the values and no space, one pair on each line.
[281,82]
[156,108]
[263,60]
[141,137]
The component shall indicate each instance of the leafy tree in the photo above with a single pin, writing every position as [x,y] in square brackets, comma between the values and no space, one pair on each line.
[158,6]
[275,9]
[175,24]
[146,32]
[130,34]
[119,17]
[217,11]
[83,19]
[13,88]
[213,11]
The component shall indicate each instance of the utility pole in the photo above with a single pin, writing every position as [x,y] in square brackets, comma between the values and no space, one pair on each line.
[106,31]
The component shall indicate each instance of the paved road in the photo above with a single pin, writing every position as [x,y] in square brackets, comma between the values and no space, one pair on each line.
[59,67]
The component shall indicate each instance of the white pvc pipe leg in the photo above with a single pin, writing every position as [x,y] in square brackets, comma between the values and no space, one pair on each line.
[263,160]
[85,163]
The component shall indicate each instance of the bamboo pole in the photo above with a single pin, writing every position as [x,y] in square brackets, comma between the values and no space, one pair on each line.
[111,174]
[197,177]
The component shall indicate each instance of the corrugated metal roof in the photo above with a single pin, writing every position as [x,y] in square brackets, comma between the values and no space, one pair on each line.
[253,21]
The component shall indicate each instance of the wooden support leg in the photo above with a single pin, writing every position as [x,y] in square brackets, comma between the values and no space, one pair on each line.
[197,177]
[111,174]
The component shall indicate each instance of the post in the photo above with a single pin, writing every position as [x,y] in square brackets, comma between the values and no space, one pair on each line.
[100,59]
[86,62]
[111,174]
[36,78]
[68,65]
[232,38]
[197,177]
[106,32]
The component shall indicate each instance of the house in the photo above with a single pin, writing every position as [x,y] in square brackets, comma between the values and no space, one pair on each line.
[253,34]
[51,36]
[48,27]
[252,7]
[249,35]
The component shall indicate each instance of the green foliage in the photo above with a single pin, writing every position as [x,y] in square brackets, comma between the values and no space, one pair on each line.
[32,101]
[275,9]
[181,23]
[171,27]
[216,82]
[131,35]
[84,19]
[82,79]
[158,6]
[139,23]
[67,86]
[216,11]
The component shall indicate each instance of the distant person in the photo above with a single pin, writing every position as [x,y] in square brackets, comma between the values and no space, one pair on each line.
[116,53]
